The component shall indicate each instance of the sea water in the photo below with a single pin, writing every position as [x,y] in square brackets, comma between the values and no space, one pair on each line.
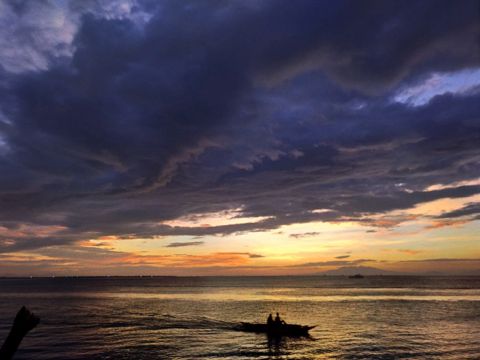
[387,317]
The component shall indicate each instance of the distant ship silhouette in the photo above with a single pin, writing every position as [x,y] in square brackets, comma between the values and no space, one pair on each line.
[356,276]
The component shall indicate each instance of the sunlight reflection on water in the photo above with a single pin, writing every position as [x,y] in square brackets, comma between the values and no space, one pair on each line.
[135,319]
[285,295]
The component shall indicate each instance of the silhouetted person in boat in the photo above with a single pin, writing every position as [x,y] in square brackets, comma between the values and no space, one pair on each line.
[23,323]
[270,320]
[278,321]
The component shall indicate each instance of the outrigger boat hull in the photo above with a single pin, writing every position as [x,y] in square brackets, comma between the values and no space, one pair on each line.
[283,330]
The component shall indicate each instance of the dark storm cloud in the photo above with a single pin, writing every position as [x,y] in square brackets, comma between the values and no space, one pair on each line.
[469,209]
[276,108]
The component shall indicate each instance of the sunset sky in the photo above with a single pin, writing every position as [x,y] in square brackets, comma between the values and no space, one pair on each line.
[239,137]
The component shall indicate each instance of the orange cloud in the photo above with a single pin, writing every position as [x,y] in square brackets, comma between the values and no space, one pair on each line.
[391,221]
[445,223]
[409,251]
[184,260]
[27,230]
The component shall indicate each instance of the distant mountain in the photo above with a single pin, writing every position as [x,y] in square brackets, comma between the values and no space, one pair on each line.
[371,271]
[352,270]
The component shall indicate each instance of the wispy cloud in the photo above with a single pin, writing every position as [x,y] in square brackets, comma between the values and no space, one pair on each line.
[469,209]
[444,260]
[334,263]
[409,251]
[184,244]
[306,234]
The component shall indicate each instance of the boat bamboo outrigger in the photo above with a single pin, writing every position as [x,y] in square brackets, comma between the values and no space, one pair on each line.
[276,330]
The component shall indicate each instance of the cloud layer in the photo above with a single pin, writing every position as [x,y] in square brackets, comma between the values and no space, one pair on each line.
[116,117]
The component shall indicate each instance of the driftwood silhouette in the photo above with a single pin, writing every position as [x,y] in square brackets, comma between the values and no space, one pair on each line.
[23,323]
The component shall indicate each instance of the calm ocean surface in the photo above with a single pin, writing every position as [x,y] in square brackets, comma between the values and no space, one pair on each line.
[193,318]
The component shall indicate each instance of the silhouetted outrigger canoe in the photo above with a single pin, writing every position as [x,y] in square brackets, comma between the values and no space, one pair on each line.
[282,330]
[356,276]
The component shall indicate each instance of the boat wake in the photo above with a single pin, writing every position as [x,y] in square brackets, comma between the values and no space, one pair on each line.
[194,322]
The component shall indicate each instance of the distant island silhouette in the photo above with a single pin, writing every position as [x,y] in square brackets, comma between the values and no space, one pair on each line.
[372,271]
[353,270]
